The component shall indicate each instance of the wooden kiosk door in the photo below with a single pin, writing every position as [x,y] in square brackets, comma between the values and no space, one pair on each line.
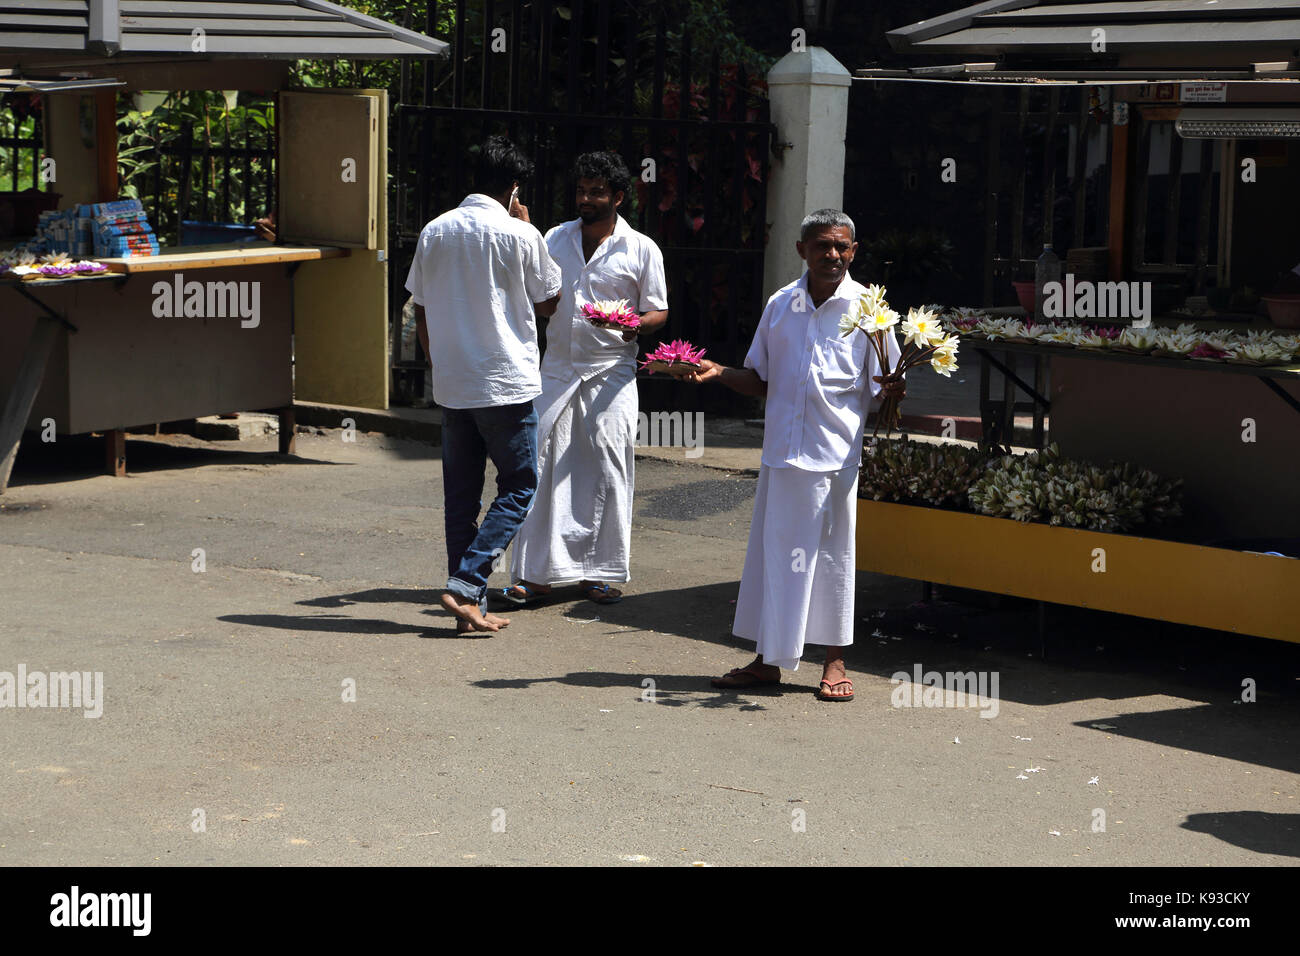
[333,170]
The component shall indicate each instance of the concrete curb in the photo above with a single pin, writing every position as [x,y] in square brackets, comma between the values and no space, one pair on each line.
[425,424]
[419,424]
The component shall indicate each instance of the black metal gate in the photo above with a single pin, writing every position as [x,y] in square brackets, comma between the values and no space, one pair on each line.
[563,79]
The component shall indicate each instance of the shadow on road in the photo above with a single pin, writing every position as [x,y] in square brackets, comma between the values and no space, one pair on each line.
[340,624]
[668,690]
[1253,733]
[425,596]
[1256,830]
[1091,657]
[74,457]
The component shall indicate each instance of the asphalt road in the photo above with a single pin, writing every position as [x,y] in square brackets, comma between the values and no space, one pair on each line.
[224,695]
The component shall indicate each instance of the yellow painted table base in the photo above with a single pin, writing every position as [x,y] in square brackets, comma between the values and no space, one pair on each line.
[1164,580]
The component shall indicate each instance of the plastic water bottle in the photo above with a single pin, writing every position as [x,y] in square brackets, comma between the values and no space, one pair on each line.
[1046,269]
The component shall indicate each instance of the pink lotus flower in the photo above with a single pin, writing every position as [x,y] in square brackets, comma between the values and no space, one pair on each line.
[1205,350]
[613,312]
[85,266]
[55,272]
[678,352]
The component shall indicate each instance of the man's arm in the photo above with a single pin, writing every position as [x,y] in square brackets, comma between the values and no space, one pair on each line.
[652,288]
[547,309]
[742,380]
[650,322]
[543,274]
[422,331]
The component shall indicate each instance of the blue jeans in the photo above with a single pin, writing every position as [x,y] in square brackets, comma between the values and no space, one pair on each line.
[507,434]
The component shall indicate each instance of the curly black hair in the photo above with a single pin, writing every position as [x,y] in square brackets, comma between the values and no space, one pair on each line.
[498,164]
[607,166]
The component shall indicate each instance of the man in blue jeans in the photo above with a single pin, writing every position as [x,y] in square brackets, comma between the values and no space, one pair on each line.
[479,273]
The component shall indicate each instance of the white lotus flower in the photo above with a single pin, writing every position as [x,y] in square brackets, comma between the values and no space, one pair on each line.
[1220,338]
[1185,338]
[1258,352]
[1140,339]
[881,320]
[944,362]
[609,306]
[922,328]
[1000,328]
[1060,335]
[949,343]
[1289,344]
[873,299]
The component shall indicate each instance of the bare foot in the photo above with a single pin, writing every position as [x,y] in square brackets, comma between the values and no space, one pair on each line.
[468,611]
[465,627]
[835,685]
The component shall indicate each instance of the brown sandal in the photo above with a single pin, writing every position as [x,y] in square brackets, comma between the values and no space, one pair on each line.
[741,677]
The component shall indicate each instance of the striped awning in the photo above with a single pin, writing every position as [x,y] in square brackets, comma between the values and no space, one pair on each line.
[211,29]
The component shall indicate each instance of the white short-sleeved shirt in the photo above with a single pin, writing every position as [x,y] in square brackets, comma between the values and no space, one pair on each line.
[627,265]
[819,385]
[477,271]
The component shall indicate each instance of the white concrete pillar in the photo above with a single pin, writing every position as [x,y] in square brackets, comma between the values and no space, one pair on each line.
[809,95]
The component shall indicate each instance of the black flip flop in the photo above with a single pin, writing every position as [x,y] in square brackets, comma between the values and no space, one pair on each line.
[831,685]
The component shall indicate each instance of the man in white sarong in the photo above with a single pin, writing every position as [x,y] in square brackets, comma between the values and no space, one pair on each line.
[579,527]
[798,584]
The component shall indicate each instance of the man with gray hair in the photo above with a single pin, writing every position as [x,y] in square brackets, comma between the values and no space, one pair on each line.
[798,583]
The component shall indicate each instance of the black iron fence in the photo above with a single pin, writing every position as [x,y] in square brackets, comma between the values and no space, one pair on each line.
[564,79]
[221,182]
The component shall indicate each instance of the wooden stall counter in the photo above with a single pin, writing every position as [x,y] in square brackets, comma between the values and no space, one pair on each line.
[223,255]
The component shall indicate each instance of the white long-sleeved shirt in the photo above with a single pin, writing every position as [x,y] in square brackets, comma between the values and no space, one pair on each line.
[627,265]
[477,271]
[819,385]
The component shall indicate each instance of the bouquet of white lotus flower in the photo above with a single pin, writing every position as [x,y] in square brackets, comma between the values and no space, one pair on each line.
[924,340]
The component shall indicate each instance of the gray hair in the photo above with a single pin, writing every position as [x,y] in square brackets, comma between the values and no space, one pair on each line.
[824,217]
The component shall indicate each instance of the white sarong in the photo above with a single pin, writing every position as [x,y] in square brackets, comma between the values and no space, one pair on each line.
[580,524]
[798,583]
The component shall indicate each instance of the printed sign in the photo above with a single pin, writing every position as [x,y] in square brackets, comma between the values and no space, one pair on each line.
[1203,92]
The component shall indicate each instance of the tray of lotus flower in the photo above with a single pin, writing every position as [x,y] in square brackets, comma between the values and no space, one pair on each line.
[676,355]
[612,314]
[659,365]
[48,271]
